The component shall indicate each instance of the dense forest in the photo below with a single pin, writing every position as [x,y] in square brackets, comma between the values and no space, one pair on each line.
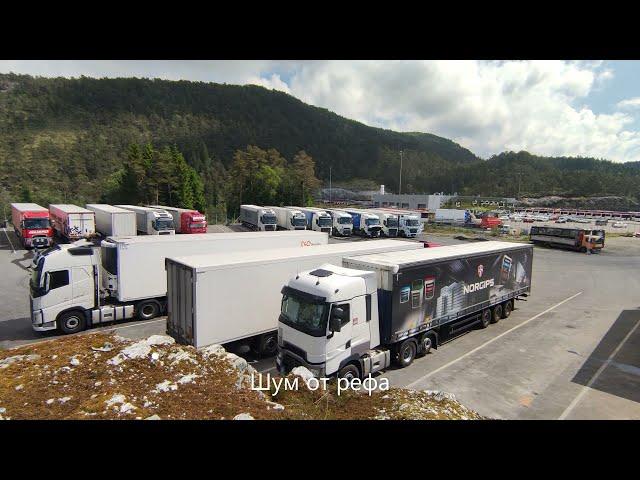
[214,145]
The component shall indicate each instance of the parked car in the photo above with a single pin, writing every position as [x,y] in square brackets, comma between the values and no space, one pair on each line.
[528,220]
[561,220]
[619,225]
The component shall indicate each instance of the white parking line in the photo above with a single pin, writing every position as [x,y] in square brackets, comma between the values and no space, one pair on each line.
[470,352]
[587,387]
[7,235]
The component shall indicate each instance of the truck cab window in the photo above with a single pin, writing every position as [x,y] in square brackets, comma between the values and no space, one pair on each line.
[58,279]
[347,313]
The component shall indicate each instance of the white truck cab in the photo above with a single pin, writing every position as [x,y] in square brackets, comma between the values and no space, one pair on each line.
[410,225]
[342,223]
[388,221]
[152,221]
[317,219]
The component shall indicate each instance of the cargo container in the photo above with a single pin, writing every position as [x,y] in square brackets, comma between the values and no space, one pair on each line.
[235,297]
[355,318]
[75,286]
[113,221]
[318,219]
[152,221]
[185,220]
[289,218]
[258,218]
[32,225]
[72,222]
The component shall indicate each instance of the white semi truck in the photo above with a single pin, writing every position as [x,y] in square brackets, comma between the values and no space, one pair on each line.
[355,319]
[365,223]
[258,218]
[342,222]
[318,219]
[409,225]
[152,221]
[79,285]
[388,221]
[290,218]
[113,221]
[208,294]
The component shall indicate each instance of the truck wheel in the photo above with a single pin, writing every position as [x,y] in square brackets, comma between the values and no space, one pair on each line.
[497,314]
[426,342]
[485,319]
[406,353]
[349,372]
[72,322]
[268,345]
[148,310]
[506,310]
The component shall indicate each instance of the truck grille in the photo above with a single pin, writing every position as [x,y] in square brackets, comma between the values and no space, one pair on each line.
[269,227]
[413,230]
[346,231]
[393,232]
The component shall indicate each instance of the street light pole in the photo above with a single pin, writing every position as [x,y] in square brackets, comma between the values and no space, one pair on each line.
[329,185]
[400,187]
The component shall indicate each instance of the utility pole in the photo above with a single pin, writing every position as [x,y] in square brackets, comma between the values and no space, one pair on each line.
[329,185]
[400,187]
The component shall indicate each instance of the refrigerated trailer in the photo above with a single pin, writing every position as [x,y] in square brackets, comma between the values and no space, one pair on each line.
[32,225]
[185,220]
[355,317]
[113,221]
[75,286]
[152,221]
[72,222]
[235,297]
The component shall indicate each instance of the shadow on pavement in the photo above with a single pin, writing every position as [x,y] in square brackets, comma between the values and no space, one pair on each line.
[622,376]
[23,262]
[18,329]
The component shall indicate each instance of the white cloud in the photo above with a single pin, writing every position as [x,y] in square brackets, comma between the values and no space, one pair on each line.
[629,103]
[488,107]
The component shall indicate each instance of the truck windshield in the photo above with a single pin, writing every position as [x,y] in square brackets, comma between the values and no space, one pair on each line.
[33,223]
[310,318]
[412,223]
[392,222]
[324,221]
[344,220]
[372,222]
[160,224]
[268,219]
[299,221]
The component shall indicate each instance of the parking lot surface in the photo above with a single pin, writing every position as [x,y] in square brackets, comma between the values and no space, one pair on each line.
[571,351]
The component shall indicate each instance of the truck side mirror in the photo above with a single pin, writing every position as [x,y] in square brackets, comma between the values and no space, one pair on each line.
[47,278]
[335,324]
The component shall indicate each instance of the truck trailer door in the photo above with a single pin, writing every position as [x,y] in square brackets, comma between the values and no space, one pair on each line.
[181,298]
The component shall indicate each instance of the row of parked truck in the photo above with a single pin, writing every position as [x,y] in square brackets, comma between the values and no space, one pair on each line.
[351,221]
[36,226]
[347,308]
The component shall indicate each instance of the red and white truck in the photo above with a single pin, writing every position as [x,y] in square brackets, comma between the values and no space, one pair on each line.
[72,222]
[185,220]
[31,224]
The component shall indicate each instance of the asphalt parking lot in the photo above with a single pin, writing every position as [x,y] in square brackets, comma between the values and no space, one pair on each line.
[571,351]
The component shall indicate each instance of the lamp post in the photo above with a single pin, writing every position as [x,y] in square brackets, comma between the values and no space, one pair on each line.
[329,185]
[400,187]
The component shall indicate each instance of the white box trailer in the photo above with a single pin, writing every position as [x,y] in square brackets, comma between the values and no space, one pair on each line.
[72,222]
[152,221]
[75,286]
[113,221]
[225,298]
[258,218]
[290,218]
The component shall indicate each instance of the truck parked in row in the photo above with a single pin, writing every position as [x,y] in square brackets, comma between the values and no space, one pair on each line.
[208,294]
[32,225]
[152,221]
[342,223]
[410,224]
[358,318]
[289,218]
[72,222]
[365,224]
[388,221]
[75,286]
[318,219]
[113,221]
[185,220]
[452,216]
[258,218]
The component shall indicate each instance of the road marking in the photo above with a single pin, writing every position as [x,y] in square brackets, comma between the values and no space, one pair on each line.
[470,352]
[587,387]
[7,235]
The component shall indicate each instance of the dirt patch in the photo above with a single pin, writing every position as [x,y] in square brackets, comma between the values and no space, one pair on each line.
[104,376]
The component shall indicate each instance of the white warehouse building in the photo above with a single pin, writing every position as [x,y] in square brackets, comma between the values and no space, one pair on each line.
[410,201]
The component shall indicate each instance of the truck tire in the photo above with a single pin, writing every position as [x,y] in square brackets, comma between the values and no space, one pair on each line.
[148,310]
[425,344]
[267,344]
[72,322]
[349,372]
[406,353]
[507,309]
[496,314]
[485,318]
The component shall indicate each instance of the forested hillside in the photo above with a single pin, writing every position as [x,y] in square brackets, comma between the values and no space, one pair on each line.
[70,140]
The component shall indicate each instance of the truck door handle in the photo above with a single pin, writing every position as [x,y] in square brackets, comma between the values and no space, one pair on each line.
[348,344]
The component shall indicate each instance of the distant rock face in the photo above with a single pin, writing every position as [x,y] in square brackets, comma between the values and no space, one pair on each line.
[588,203]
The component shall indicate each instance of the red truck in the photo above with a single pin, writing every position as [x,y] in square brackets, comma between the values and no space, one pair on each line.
[490,220]
[32,225]
[185,220]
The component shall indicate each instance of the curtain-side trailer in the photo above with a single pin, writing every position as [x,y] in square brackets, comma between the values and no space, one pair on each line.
[357,318]
[235,297]
[75,286]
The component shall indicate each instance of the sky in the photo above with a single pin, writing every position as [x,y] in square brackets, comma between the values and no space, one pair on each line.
[587,108]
